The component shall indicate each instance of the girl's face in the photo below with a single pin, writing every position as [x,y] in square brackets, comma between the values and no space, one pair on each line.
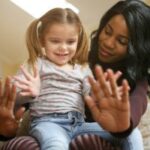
[60,42]
[113,40]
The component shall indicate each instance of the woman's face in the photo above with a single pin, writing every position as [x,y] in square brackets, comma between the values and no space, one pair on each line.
[113,40]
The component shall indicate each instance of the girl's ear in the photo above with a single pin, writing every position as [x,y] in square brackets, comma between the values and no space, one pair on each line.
[42,42]
[43,51]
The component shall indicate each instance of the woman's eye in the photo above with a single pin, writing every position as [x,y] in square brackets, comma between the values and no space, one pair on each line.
[107,31]
[123,41]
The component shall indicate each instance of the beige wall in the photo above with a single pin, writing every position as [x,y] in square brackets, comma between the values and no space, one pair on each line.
[147,1]
[10,69]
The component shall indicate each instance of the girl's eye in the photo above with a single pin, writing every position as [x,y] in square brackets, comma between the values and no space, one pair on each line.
[54,41]
[71,41]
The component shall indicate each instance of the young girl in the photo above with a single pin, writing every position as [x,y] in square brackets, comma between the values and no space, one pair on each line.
[58,49]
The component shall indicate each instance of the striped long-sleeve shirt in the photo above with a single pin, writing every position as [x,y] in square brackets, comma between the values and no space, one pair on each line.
[61,91]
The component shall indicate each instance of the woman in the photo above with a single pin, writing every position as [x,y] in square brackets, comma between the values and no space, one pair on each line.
[121,42]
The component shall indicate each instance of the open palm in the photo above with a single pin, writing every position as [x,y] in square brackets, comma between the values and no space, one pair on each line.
[109,103]
[9,121]
[30,84]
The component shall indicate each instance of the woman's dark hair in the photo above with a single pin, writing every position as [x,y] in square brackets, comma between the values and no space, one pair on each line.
[137,17]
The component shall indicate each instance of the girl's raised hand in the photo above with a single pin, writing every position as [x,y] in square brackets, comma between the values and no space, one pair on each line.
[31,84]
[109,103]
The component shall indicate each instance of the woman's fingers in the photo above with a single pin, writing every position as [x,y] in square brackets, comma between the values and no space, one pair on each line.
[8,97]
[93,107]
[0,91]
[11,98]
[117,75]
[113,84]
[108,81]
[95,89]
[7,88]
[125,95]
[102,81]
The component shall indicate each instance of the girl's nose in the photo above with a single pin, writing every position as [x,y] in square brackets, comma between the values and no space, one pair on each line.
[63,47]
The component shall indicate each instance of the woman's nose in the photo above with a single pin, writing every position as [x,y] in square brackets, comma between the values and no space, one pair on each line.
[110,42]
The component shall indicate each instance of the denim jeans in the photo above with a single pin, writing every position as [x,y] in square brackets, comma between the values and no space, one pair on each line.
[55,131]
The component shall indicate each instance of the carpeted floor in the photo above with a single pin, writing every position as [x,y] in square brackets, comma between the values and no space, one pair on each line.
[145,128]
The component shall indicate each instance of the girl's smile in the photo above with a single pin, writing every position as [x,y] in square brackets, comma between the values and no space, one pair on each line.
[60,43]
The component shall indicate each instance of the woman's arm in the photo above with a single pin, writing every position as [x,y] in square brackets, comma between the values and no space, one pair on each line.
[9,121]
[109,103]
[138,102]
[136,107]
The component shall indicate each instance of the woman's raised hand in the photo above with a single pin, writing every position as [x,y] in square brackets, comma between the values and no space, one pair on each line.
[9,121]
[109,103]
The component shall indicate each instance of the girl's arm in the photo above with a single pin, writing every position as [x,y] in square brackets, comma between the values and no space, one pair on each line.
[28,85]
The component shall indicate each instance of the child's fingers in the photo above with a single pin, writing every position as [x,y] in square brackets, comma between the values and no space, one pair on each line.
[19,113]
[27,75]
[23,87]
[26,93]
[35,71]
[21,81]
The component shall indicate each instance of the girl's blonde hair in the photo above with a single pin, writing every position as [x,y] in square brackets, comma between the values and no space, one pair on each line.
[37,28]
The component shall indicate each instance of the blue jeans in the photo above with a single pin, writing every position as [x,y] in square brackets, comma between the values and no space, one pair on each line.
[55,132]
